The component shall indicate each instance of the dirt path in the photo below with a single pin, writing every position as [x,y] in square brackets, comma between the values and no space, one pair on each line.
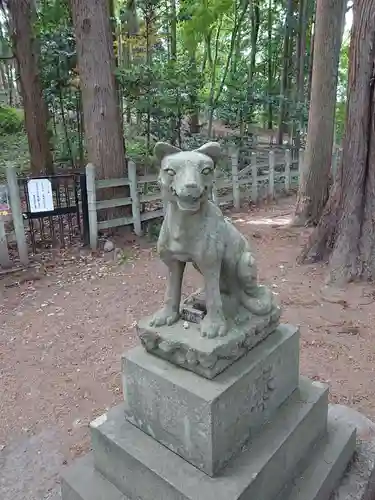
[61,338]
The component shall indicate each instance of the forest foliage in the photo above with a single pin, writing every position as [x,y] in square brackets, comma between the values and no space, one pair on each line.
[183,67]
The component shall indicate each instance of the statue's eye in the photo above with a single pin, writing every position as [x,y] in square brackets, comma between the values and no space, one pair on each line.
[206,171]
[170,171]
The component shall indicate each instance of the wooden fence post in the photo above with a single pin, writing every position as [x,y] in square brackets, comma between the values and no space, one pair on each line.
[91,203]
[134,194]
[254,178]
[288,164]
[15,205]
[235,183]
[4,254]
[271,174]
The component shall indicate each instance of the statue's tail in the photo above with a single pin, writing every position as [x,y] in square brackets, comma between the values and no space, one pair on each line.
[260,301]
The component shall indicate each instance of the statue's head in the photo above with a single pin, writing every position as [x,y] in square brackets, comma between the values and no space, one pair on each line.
[186,177]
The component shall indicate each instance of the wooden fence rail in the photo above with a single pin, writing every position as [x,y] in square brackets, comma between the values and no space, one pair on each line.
[229,187]
[262,177]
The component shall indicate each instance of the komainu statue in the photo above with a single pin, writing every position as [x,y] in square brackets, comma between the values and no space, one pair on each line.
[195,230]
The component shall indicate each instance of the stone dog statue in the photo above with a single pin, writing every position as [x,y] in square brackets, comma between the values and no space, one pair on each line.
[195,230]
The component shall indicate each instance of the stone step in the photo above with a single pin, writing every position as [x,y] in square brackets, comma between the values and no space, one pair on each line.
[327,463]
[82,481]
[141,468]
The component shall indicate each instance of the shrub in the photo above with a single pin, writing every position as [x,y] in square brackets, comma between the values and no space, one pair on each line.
[11,120]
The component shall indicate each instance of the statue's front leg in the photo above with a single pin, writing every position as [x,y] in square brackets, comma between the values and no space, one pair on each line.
[214,323]
[170,313]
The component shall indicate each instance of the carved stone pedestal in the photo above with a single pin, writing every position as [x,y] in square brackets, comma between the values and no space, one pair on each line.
[255,431]
[183,345]
[208,421]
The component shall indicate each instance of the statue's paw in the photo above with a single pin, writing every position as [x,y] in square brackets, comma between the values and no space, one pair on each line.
[165,317]
[213,327]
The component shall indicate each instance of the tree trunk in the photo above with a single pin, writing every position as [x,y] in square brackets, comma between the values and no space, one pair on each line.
[302,33]
[36,113]
[11,87]
[255,25]
[4,80]
[173,26]
[284,72]
[290,88]
[346,231]
[174,126]
[149,18]
[301,58]
[213,69]
[193,98]
[116,50]
[269,66]
[311,56]
[314,183]
[96,63]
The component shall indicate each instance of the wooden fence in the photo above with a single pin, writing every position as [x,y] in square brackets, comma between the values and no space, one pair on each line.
[258,180]
[134,201]
[266,174]
[18,222]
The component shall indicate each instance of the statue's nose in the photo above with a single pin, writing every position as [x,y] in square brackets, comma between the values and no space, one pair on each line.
[191,185]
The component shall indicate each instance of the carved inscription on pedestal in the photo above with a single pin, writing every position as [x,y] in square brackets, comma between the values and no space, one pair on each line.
[262,389]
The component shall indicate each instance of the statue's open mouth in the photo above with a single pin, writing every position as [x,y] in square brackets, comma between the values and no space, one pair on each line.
[189,203]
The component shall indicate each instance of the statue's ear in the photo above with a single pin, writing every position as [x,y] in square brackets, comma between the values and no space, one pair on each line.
[211,149]
[162,149]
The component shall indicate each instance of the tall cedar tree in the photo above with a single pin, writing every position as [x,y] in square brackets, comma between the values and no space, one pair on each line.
[314,183]
[25,50]
[346,231]
[96,65]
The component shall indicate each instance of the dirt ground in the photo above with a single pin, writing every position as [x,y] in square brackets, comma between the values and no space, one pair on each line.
[63,330]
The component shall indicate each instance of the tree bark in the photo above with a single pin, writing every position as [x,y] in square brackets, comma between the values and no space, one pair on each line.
[194,99]
[346,231]
[4,80]
[96,63]
[36,113]
[311,55]
[301,58]
[269,66]
[174,126]
[284,72]
[314,183]
[255,25]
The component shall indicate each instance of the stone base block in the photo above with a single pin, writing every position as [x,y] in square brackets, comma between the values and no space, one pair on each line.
[358,482]
[141,468]
[186,347]
[326,464]
[207,421]
[82,481]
